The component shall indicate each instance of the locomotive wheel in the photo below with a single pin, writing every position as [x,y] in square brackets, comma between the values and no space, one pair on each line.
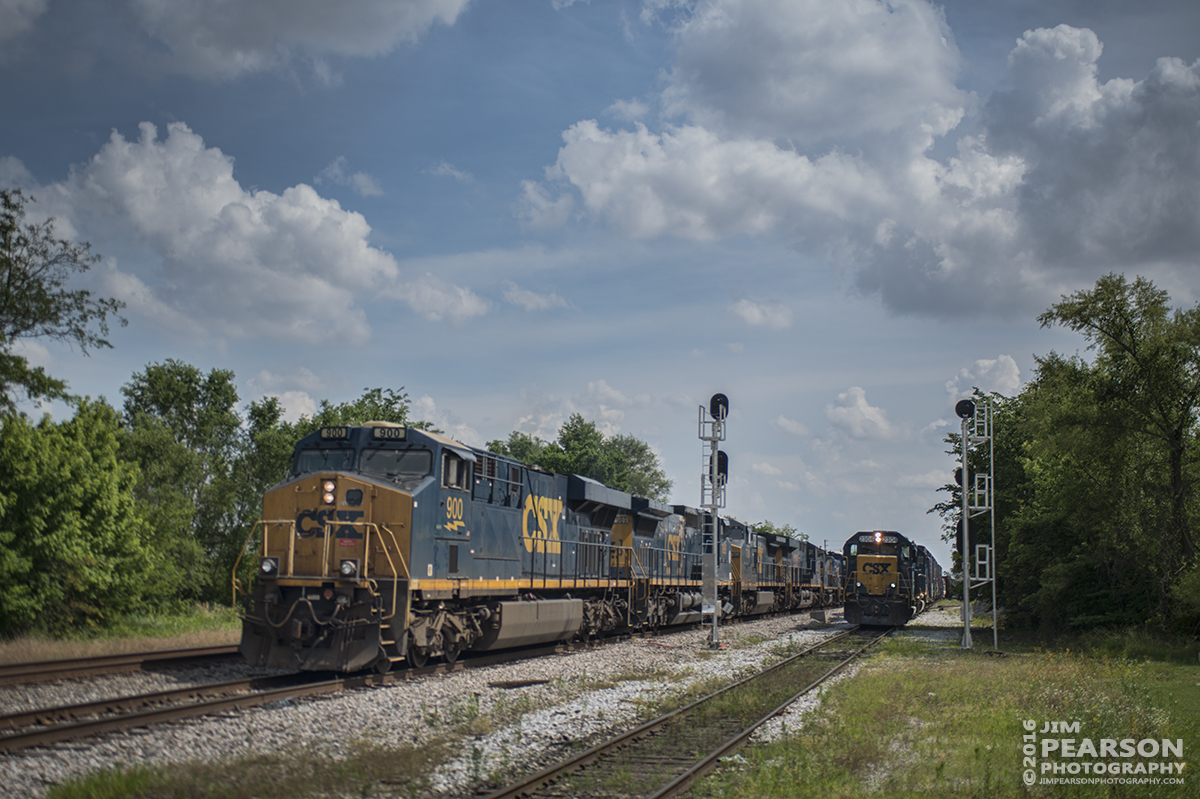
[417,656]
[452,647]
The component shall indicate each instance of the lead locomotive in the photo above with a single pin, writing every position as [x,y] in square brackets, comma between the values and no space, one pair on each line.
[389,543]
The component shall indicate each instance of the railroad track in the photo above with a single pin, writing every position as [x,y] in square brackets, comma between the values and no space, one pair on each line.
[44,726]
[47,670]
[69,722]
[664,756]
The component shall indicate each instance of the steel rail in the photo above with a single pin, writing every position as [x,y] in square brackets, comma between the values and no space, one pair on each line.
[119,704]
[27,738]
[145,718]
[47,670]
[548,775]
[684,781]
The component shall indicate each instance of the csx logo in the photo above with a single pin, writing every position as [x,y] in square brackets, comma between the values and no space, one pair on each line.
[310,523]
[539,524]
[876,568]
[674,546]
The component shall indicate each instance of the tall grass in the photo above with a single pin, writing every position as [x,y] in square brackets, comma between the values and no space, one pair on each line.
[198,625]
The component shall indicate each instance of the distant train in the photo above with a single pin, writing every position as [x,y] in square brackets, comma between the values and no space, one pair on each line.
[388,543]
[889,580]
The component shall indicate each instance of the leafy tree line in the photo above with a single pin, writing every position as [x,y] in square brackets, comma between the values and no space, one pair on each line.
[1097,464]
[145,508]
[623,462]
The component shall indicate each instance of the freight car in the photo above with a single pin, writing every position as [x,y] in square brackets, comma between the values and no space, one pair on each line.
[388,543]
[888,578]
[927,578]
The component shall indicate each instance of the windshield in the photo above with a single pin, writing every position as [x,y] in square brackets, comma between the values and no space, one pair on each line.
[397,462]
[323,460]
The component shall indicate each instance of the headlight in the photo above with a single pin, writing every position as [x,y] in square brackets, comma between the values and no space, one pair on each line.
[349,568]
[893,585]
[269,567]
[328,487]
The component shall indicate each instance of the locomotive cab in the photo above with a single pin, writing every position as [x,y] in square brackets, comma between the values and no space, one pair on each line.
[879,578]
[334,577]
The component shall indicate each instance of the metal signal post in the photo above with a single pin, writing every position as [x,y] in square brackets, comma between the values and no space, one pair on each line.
[712,498]
[978,498]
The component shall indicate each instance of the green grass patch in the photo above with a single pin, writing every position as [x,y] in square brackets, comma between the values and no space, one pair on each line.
[188,626]
[925,719]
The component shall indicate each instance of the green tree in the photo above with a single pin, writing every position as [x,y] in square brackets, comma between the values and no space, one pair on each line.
[771,528]
[182,430]
[35,303]
[375,405]
[1095,467]
[623,462]
[1144,389]
[75,550]
[633,467]
[521,446]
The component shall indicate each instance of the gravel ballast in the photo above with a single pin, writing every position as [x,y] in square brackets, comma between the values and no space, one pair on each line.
[585,696]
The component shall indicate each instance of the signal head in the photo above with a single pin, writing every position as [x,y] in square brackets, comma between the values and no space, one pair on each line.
[718,406]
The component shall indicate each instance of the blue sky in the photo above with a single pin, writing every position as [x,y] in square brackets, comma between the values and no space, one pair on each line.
[843,214]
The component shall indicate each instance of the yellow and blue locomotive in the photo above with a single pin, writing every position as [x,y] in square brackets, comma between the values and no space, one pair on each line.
[389,543]
[886,578]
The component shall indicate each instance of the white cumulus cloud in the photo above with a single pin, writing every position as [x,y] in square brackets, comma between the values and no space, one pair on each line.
[818,120]
[435,299]
[447,170]
[530,300]
[218,39]
[361,182]
[18,16]
[808,71]
[226,260]
[1000,374]
[791,426]
[251,263]
[851,412]
[774,315]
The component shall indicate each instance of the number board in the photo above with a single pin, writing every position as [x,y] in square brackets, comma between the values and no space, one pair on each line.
[389,433]
[870,539]
[335,432]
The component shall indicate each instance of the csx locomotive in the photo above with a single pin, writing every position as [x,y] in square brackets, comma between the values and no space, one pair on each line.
[389,543]
[888,578]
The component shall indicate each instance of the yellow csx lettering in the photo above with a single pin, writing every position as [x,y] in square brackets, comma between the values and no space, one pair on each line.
[542,535]
[674,545]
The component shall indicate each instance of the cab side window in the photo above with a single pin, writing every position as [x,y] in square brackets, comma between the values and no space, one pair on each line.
[454,471]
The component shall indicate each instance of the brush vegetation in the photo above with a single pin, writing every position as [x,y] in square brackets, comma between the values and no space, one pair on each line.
[924,718]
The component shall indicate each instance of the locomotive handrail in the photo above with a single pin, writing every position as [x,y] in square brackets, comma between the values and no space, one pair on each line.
[367,528]
[395,572]
[236,584]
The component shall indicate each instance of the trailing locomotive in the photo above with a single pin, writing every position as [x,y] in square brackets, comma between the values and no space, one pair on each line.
[888,578]
[389,543]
